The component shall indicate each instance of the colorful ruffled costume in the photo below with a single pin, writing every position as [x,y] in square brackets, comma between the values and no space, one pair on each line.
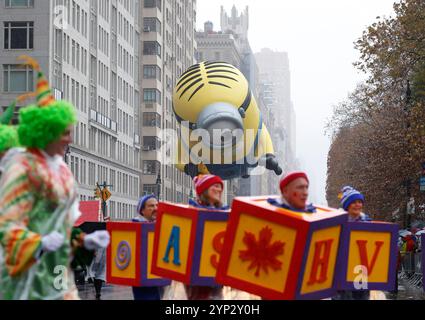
[38,196]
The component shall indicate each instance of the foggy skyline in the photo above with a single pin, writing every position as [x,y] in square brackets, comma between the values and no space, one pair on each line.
[319,37]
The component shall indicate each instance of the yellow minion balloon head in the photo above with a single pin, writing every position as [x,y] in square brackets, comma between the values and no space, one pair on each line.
[213,99]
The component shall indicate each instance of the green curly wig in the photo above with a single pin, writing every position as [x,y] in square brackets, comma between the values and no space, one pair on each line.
[8,137]
[38,127]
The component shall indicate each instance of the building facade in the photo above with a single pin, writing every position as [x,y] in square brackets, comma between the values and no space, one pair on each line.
[231,45]
[279,114]
[275,78]
[167,49]
[89,51]
[270,81]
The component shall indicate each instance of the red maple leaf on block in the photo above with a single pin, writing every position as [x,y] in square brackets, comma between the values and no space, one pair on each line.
[262,253]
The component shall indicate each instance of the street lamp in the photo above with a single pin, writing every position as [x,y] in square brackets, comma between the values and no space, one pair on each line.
[407,182]
[158,183]
[65,156]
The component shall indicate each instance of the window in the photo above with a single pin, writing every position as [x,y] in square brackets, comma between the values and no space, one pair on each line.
[151,143]
[92,174]
[151,119]
[19,35]
[151,167]
[17,78]
[151,25]
[150,189]
[19,3]
[153,4]
[152,95]
[151,48]
[152,72]
[58,44]
[112,175]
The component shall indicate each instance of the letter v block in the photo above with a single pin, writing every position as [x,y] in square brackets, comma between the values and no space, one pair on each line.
[280,254]
[188,242]
[129,255]
[368,258]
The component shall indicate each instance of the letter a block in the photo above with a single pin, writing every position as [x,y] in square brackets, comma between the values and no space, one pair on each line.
[368,256]
[129,255]
[280,254]
[188,242]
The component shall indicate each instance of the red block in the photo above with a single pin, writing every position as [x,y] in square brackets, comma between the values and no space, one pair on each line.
[129,255]
[188,242]
[280,254]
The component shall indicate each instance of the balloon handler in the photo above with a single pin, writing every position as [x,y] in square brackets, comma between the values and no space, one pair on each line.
[147,210]
[39,205]
[294,190]
[209,191]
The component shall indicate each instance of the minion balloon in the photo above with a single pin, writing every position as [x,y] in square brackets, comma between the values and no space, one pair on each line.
[215,98]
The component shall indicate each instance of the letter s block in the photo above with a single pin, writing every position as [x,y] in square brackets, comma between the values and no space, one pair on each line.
[368,256]
[280,254]
[188,242]
[129,255]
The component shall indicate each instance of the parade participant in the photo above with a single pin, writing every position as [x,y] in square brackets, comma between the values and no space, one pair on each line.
[9,141]
[98,268]
[209,191]
[39,205]
[352,202]
[147,209]
[294,190]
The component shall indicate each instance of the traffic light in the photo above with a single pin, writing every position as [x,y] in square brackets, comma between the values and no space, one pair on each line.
[97,194]
[106,194]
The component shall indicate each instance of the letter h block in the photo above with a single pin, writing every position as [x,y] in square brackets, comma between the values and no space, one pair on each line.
[368,257]
[280,254]
[188,242]
[129,255]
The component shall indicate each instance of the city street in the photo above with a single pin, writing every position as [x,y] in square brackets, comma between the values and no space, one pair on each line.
[407,292]
[174,292]
[109,292]
[113,292]
[270,146]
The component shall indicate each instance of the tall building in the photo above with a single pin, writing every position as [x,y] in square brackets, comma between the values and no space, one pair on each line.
[231,45]
[89,51]
[167,49]
[275,79]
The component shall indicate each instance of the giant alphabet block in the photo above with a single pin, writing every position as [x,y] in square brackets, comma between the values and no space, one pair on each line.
[368,258]
[129,255]
[280,254]
[188,242]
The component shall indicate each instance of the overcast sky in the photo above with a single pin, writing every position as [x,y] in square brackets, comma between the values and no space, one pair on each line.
[318,36]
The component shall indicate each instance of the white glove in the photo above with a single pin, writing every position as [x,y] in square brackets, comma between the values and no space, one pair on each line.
[52,242]
[96,240]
